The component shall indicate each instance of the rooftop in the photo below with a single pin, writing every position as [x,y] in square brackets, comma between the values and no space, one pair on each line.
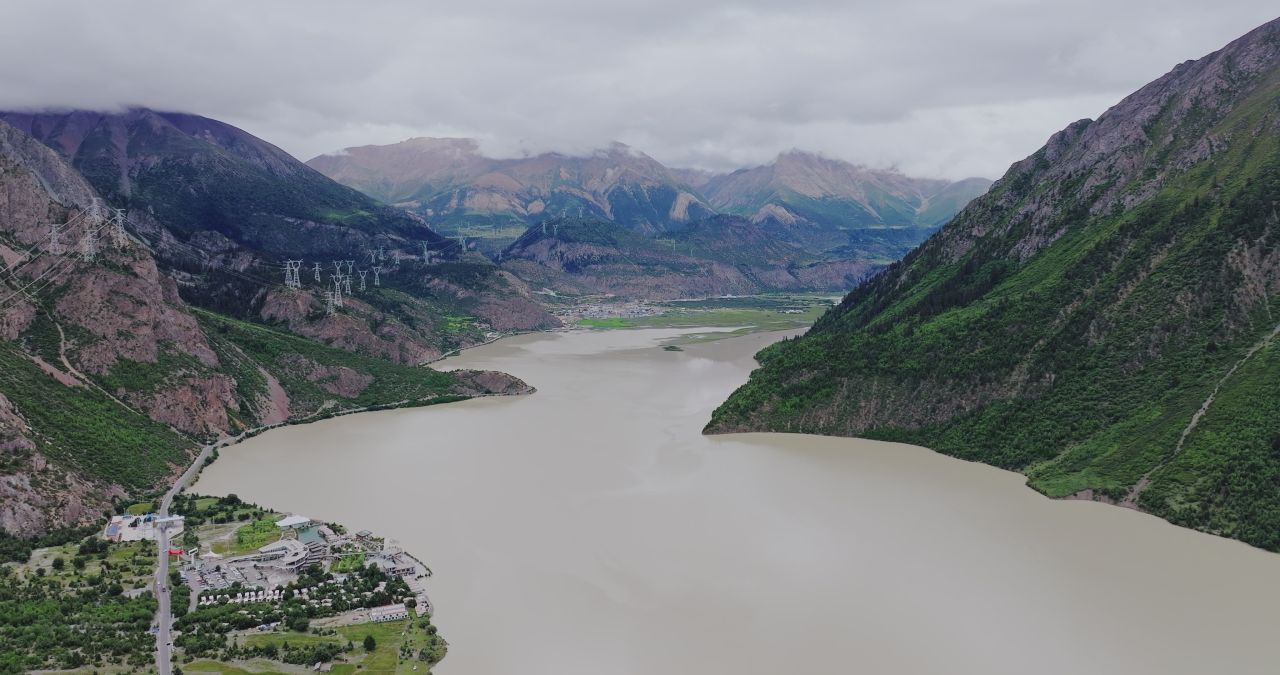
[293,521]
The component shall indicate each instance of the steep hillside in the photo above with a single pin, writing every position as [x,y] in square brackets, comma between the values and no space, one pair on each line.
[460,191]
[223,209]
[724,255]
[109,380]
[823,203]
[1104,319]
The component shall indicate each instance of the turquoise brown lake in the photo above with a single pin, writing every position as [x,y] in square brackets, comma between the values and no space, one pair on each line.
[590,529]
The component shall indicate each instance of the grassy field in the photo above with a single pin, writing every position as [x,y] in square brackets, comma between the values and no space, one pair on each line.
[349,563]
[139,509]
[226,669]
[747,315]
[250,537]
[392,639]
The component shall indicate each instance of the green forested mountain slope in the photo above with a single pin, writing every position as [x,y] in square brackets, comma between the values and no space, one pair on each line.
[1071,322]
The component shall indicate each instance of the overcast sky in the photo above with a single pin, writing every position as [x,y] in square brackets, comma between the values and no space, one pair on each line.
[942,88]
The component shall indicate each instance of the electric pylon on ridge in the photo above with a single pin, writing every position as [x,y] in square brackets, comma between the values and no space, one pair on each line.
[292,278]
[118,233]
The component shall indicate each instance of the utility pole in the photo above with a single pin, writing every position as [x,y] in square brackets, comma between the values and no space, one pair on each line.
[363,274]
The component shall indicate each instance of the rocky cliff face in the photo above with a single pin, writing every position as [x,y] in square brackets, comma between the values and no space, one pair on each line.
[1104,318]
[221,210]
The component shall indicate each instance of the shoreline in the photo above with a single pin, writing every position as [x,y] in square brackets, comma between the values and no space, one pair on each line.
[207,455]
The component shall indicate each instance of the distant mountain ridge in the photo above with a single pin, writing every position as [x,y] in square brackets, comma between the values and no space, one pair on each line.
[813,201]
[1103,319]
[788,187]
[449,182]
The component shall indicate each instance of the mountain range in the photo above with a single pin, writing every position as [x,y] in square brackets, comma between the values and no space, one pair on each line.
[820,204]
[1103,319]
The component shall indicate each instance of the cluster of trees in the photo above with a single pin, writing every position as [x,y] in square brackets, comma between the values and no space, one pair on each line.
[48,625]
[436,646]
[350,594]
[205,629]
[18,549]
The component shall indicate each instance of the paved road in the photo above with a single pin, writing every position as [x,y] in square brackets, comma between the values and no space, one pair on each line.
[164,615]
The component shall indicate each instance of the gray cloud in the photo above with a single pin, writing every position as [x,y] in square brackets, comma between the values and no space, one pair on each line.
[936,88]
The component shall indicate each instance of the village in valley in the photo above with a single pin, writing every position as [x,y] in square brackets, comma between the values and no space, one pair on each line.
[253,591]
[285,588]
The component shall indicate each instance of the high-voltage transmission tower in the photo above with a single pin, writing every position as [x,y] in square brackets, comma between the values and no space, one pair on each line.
[346,284]
[363,274]
[89,244]
[426,253]
[118,233]
[382,252]
[336,294]
[291,273]
[55,239]
[351,264]
[317,270]
[330,304]
[377,281]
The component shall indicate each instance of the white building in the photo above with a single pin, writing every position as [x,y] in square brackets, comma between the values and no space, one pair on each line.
[293,521]
[389,613]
